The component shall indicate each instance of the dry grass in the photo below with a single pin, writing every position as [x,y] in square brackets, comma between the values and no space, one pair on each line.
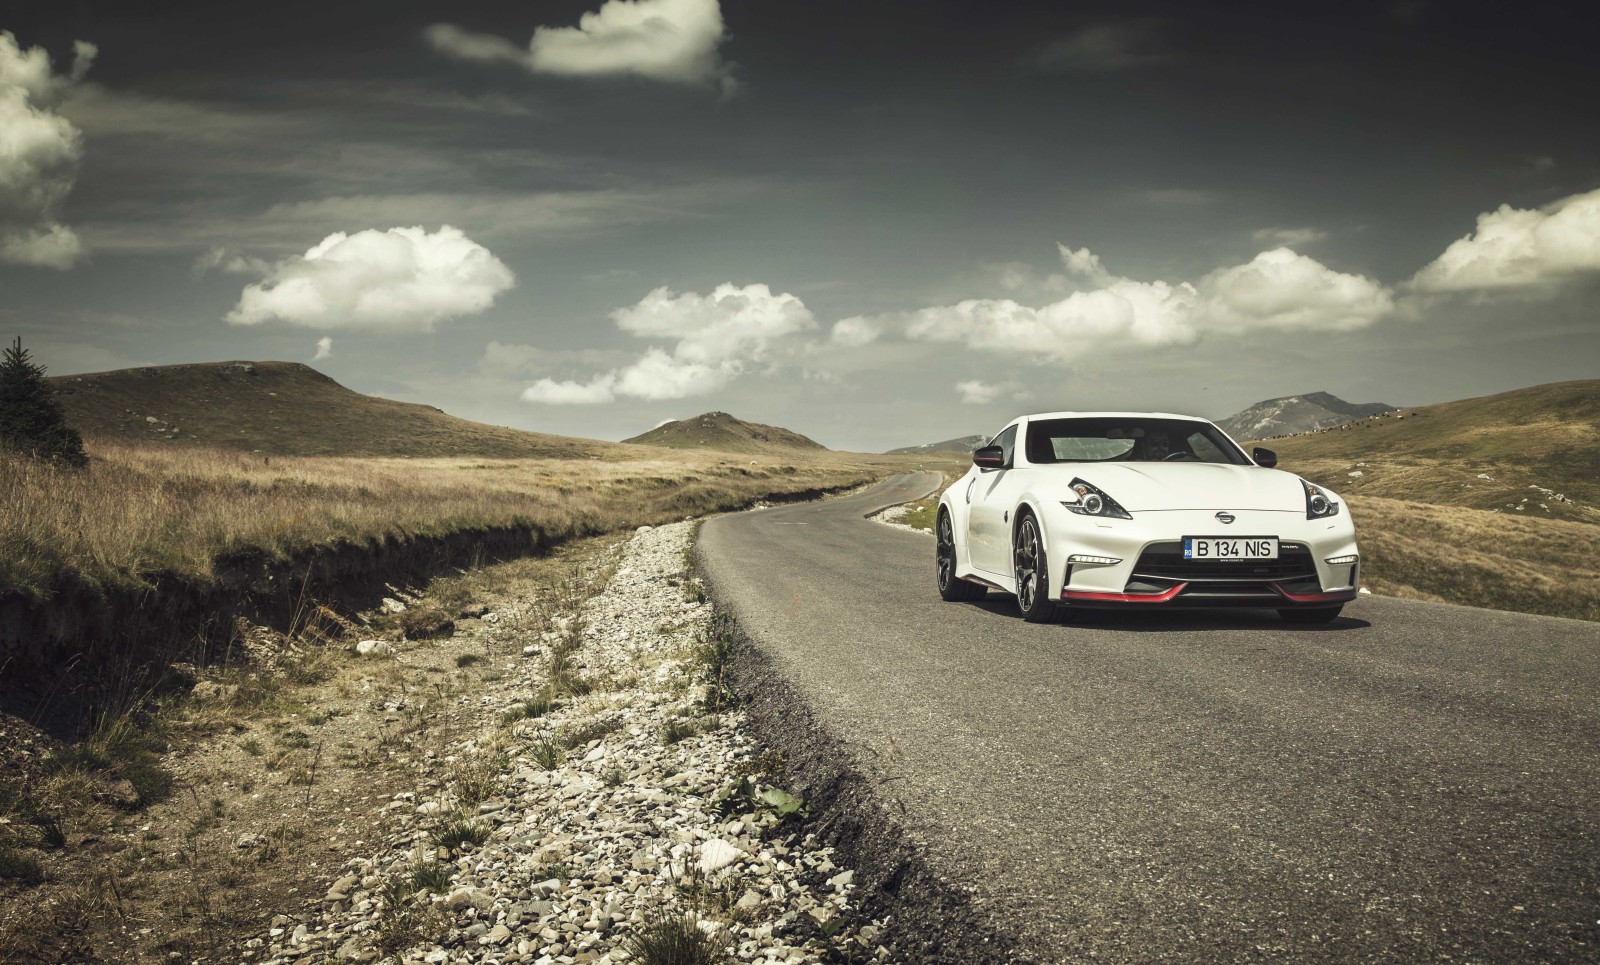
[1479,558]
[140,510]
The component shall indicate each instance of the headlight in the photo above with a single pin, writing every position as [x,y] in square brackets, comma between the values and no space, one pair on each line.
[1318,505]
[1092,502]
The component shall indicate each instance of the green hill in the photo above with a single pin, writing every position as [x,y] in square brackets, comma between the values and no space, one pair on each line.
[1533,452]
[722,432]
[284,408]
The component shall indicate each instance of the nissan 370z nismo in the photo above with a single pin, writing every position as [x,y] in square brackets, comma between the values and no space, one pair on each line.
[1141,511]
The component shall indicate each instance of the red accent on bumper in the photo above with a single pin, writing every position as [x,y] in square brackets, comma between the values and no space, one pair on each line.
[1338,596]
[1162,597]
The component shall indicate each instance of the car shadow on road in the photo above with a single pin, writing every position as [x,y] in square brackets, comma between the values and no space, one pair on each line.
[1171,621]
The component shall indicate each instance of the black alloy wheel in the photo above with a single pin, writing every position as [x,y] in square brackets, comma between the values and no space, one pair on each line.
[1033,574]
[951,587]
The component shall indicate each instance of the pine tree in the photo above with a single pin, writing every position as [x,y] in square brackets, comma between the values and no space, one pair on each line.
[31,420]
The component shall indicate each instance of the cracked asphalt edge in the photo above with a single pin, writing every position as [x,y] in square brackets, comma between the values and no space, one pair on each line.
[928,919]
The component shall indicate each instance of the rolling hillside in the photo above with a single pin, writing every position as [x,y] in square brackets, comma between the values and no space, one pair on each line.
[283,408]
[1297,413]
[1533,452]
[962,446]
[722,432]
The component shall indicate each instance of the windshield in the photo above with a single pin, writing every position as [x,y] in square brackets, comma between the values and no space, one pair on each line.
[1133,439]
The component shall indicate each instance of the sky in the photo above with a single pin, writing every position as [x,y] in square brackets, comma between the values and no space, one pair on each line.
[875,223]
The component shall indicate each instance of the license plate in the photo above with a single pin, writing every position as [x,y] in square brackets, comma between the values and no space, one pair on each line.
[1230,547]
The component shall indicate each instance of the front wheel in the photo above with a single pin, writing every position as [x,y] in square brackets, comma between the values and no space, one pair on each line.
[1324,614]
[952,588]
[1033,574]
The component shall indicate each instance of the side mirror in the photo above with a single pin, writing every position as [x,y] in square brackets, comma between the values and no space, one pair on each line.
[1265,458]
[989,457]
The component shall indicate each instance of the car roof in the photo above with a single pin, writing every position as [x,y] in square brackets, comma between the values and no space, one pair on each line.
[1111,415]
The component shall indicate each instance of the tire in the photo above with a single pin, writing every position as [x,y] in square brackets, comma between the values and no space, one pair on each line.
[952,588]
[1324,614]
[1033,573]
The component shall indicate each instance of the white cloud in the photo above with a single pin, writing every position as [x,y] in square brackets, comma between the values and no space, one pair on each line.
[979,393]
[676,41]
[1279,289]
[730,322]
[403,279]
[551,392]
[39,152]
[854,332]
[718,336]
[1516,248]
[1288,237]
[324,349]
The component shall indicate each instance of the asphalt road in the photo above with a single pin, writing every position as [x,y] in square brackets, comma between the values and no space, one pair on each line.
[1416,782]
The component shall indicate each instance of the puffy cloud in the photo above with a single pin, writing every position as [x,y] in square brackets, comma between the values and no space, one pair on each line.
[39,152]
[718,336]
[324,349]
[675,41]
[403,279]
[551,392]
[978,393]
[729,322]
[1516,248]
[1279,289]
[854,332]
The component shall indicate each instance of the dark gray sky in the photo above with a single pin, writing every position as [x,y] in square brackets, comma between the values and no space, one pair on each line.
[875,223]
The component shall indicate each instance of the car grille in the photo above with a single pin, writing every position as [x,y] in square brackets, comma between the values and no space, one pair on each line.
[1164,561]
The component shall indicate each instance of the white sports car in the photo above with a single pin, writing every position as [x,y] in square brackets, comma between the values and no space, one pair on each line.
[1141,510]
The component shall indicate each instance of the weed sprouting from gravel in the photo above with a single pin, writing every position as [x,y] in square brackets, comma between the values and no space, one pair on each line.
[461,830]
[475,778]
[431,876]
[673,940]
[714,651]
[548,754]
[19,866]
[678,729]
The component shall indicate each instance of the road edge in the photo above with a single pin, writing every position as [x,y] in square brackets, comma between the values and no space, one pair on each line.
[928,919]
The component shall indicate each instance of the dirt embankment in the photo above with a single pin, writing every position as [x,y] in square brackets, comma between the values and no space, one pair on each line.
[79,646]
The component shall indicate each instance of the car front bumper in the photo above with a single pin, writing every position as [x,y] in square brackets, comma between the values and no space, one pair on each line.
[1149,571]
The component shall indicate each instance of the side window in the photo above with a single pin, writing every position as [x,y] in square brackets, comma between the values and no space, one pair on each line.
[1206,449]
[1008,444]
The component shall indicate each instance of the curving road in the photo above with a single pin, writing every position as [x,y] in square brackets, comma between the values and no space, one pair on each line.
[1417,782]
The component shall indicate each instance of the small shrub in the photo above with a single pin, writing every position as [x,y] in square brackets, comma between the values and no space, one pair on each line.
[678,729]
[466,660]
[431,876]
[614,778]
[532,708]
[593,730]
[671,940]
[19,866]
[461,830]
[548,754]
[425,622]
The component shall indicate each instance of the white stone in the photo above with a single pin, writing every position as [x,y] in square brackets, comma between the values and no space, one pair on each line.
[717,854]
[368,648]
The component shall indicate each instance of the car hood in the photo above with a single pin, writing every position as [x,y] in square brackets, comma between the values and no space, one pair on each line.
[1153,486]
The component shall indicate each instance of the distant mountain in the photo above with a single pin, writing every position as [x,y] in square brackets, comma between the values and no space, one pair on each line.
[963,445]
[283,408]
[1298,413]
[722,432]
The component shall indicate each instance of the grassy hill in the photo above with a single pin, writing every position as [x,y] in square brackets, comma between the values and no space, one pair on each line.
[722,432]
[1297,413]
[961,447]
[1532,452]
[283,408]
